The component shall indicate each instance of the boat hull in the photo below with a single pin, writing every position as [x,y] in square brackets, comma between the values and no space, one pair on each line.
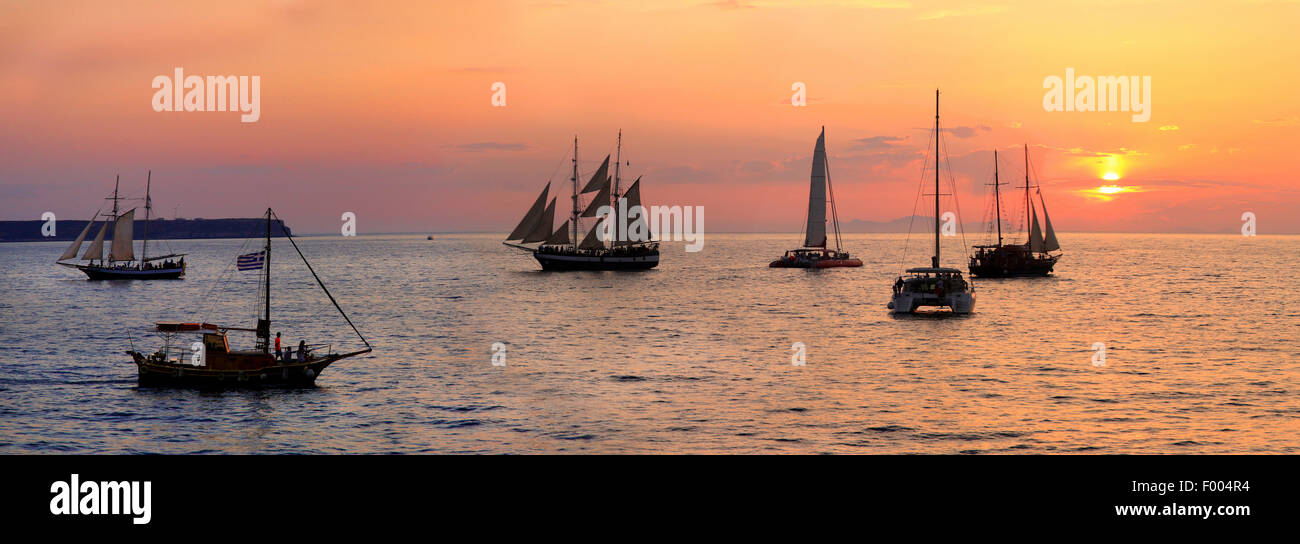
[958,303]
[570,261]
[98,273]
[1010,262]
[169,374]
[823,263]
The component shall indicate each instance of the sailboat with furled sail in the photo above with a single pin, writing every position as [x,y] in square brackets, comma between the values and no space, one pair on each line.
[934,285]
[121,263]
[1032,258]
[210,361]
[610,244]
[815,252]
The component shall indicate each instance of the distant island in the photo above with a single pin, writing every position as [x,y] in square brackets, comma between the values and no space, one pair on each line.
[159,229]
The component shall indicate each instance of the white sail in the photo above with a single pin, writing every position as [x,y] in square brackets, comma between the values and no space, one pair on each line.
[601,199]
[96,250]
[561,236]
[529,222]
[543,229]
[71,252]
[1050,243]
[123,233]
[600,177]
[817,197]
[1035,234]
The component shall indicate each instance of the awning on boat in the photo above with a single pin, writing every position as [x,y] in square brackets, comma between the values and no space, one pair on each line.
[186,327]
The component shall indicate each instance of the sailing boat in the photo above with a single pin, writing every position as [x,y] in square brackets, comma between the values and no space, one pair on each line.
[211,362]
[603,247]
[121,263]
[1032,258]
[814,253]
[934,285]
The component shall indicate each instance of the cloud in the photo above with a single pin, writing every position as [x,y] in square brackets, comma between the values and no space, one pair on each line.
[961,12]
[877,142]
[1289,121]
[732,4]
[1169,128]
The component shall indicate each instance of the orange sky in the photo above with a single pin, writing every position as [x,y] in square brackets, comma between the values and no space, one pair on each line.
[384,109]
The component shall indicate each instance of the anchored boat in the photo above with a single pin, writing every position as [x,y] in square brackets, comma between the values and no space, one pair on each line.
[121,263]
[1032,258]
[933,285]
[815,253]
[605,246]
[206,358]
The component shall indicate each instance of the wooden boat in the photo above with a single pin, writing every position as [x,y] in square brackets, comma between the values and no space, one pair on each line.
[815,253]
[934,285]
[630,250]
[1032,258]
[210,361]
[121,263]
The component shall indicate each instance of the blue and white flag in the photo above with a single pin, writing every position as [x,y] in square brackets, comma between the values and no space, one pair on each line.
[252,261]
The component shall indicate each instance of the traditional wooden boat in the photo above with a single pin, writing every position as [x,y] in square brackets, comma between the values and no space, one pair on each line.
[209,361]
[121,263]
[1032,258]
[934,285]
[815,253]
[631,249]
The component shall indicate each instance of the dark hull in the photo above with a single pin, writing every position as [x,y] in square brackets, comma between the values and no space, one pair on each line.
[571,261]
[96,273]
[1011,262]
[155,374]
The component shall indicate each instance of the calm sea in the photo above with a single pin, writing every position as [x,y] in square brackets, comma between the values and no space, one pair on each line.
[694,356]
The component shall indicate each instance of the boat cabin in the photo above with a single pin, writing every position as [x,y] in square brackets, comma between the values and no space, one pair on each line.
[935,281]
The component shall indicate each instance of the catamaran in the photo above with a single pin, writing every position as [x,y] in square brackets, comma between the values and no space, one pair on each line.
[121,263]
[1032,258]
[629,248]
[210,361]
[933,285]
[815,253]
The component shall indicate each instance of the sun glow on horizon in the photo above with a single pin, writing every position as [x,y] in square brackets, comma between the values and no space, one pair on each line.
[1110,176]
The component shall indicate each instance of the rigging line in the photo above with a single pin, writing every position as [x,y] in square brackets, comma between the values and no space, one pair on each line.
[835,217]
[920,189]
[319,282]
[221,279]
[952,183]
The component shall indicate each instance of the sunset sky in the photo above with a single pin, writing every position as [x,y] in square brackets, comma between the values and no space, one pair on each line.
[384,109]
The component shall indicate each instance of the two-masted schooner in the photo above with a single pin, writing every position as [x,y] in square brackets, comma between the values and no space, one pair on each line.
[816,252]
[121,263]
[612,243]
[933,285]
[1032,258]
[210,361]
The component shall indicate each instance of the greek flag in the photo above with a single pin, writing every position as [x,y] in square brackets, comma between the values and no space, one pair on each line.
[252,261]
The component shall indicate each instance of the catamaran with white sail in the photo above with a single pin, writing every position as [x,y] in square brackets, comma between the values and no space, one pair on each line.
[815,252]
[606,245]
[121,263]
[934,285]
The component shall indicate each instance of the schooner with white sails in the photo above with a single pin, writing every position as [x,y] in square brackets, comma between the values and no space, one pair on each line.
[1032,258]
[619,238]
[121,262]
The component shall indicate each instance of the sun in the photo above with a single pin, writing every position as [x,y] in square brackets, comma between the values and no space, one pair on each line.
[1110,176]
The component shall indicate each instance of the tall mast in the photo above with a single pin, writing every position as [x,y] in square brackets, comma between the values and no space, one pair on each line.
[266,264]
[997,196]
[830,191]
[148,205]
[936,179]
[574,216]
[116,181]
[1027,203]
[613,196]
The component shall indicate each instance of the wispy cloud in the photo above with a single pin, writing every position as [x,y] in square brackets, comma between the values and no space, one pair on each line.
[492,146]
[961,12]
[1289,121]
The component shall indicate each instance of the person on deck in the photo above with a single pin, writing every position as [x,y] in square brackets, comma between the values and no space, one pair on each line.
[277,343]
[302,351]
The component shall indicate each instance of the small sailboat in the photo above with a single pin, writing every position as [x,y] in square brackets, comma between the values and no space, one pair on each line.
[121,263]
[605,246]
[210,361]
[1032,258]
[815,253]
[933,285]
